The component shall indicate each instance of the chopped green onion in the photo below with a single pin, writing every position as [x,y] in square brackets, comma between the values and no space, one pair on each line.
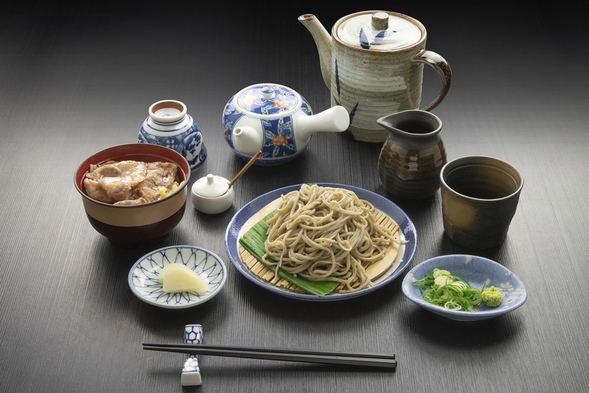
[444,289]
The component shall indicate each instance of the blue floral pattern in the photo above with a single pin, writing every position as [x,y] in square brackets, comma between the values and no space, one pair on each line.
[184,137]
[268,102]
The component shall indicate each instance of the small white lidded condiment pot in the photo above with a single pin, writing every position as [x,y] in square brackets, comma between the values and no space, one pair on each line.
[212,195]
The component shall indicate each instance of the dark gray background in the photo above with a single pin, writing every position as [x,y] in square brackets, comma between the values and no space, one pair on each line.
[75,79]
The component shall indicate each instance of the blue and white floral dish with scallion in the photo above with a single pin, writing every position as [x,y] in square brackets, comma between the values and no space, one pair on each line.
[477,271]
[144,283]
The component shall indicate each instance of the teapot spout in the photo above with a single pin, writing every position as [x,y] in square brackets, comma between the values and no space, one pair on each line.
[334,119]
[323,43]
[246,140]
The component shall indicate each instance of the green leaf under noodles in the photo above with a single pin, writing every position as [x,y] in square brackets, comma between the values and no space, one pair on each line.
[253,241]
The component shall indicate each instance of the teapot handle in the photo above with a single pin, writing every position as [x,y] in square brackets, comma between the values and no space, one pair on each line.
[443,70]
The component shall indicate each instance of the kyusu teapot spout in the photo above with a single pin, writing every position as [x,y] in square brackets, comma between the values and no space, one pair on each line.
[276,120]
[373,64]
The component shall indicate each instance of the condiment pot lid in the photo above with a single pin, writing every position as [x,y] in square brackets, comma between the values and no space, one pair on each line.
[378,30]
[210,186]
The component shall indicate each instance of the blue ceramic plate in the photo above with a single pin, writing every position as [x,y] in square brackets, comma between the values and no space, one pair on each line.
[477,271]
[404,257]
[143,277]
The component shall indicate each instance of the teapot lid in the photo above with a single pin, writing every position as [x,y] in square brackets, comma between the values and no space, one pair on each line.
[378,30]
[267,99]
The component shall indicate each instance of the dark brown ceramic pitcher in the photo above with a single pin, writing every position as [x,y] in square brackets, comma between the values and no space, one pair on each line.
[413,154]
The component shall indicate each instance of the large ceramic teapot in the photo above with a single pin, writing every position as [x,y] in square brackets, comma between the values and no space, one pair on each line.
[373,65]
[276,120]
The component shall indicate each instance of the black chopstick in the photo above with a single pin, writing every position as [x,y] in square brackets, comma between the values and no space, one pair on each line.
[284,354]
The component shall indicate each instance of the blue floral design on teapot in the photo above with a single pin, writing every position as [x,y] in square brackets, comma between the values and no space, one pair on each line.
[276,120]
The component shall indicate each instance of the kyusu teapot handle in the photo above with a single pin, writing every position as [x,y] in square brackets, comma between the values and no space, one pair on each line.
[442,68]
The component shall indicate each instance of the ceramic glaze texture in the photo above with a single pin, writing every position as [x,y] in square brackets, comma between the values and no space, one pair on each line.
[212,194]
[248,214]
[144,282]
[190,376]
[373,66]
[372,82]
[139,224]
[170,126]
[412,156]
[478,271]
[271,108]
[479,199]
[276,120]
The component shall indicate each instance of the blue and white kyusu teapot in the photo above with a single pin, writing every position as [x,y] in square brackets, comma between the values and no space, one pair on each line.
[276,120]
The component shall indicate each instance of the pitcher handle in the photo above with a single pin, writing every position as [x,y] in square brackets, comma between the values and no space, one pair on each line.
[443,70]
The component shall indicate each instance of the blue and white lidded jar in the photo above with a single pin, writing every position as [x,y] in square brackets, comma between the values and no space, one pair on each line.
[169,125]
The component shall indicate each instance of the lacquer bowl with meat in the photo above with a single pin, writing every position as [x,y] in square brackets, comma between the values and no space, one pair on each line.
[135,193]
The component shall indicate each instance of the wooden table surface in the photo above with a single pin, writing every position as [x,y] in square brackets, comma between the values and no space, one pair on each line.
[78,78]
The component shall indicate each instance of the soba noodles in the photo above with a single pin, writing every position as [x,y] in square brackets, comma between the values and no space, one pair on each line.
[326,234]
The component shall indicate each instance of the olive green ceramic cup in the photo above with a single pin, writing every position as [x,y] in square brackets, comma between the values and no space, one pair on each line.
[479,199]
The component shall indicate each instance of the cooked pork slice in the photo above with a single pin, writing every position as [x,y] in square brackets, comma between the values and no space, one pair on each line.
[143,191]
[95,191]
[108,169]
[130,182]
[161,174]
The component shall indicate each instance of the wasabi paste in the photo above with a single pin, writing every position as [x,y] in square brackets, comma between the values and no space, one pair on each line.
[491,297]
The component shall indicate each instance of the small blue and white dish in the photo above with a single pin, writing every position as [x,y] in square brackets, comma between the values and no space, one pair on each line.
[143,277]
[477,271]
